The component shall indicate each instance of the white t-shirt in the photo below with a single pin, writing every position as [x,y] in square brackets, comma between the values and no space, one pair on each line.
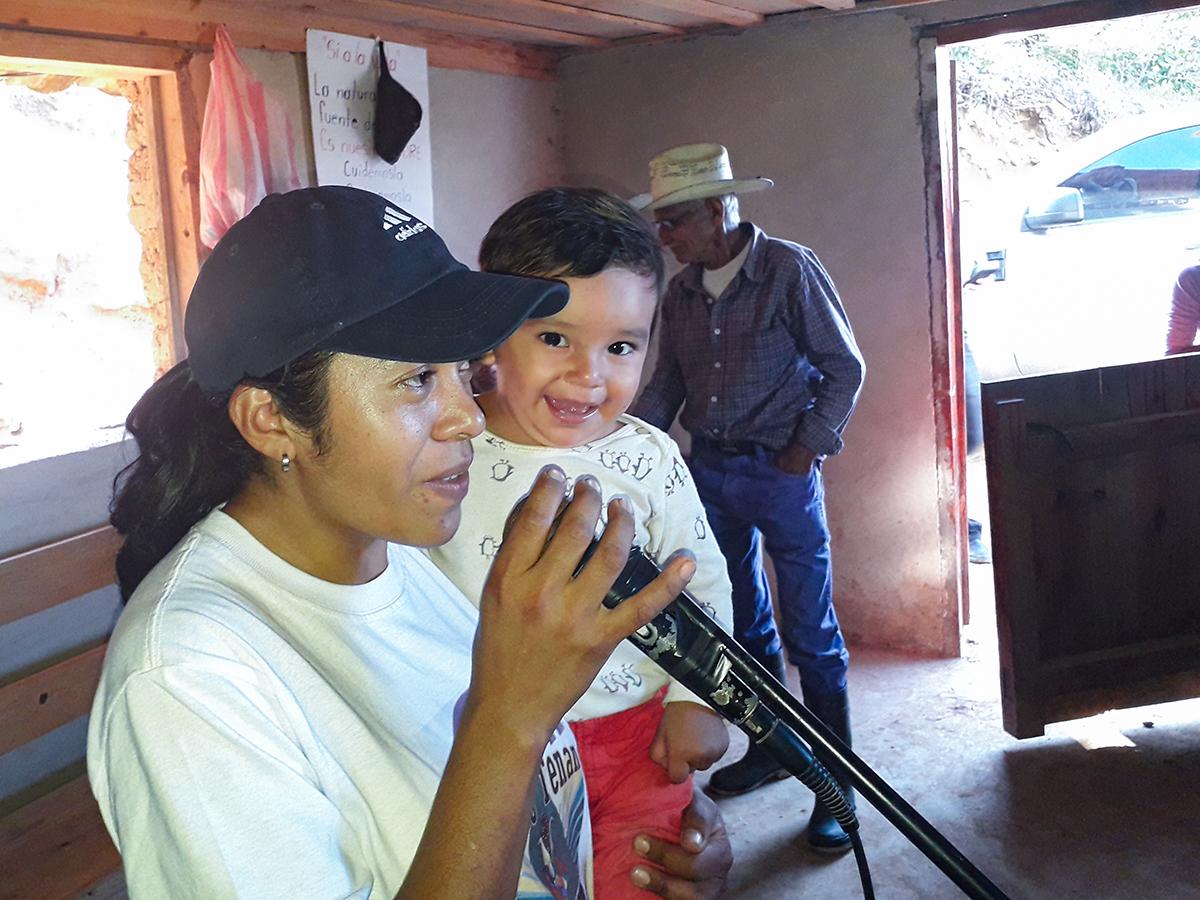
[261,733]
[716,280]
[637,460]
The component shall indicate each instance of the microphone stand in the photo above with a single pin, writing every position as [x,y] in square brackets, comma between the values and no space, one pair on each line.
[694,649]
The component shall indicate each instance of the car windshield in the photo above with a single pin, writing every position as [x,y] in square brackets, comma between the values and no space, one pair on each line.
[1177,149]
[1158,173]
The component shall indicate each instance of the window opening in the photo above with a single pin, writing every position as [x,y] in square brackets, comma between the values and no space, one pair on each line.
[84,296]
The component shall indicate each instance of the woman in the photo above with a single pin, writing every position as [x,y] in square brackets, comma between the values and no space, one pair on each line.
[295,703]
[1184,319]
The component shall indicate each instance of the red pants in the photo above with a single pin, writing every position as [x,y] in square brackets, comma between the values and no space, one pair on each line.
[629,794]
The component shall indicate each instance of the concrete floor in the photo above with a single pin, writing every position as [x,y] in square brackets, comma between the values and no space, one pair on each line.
[1042,818]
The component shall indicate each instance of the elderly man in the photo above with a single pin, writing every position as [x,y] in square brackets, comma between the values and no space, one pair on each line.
[756,347]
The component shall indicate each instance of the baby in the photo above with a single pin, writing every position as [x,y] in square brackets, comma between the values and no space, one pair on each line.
[562,386]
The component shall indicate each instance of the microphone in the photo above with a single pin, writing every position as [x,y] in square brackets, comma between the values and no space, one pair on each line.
[694,649]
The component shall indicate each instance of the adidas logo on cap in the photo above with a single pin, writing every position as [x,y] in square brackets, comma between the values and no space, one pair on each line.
[393,217]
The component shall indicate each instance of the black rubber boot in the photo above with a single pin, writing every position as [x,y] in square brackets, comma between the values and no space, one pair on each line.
[824,833]
[757,767]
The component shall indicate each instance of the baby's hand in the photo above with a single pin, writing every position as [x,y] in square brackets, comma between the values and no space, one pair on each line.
[690,737]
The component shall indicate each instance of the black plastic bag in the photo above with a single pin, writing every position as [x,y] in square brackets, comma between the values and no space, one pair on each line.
[397,114]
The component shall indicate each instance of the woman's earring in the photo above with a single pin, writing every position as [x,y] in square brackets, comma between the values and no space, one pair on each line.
[285,463]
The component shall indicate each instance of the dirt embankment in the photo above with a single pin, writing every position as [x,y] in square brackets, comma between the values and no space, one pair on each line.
[1023,97]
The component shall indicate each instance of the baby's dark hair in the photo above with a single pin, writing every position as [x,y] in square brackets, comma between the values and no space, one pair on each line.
[571,232]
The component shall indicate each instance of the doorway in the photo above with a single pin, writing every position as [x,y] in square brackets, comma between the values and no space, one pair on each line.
[1071,166]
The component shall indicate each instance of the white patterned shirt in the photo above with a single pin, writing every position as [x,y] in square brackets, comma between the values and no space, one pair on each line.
[637,460]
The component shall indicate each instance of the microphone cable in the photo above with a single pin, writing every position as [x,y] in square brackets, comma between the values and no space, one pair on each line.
[786,744]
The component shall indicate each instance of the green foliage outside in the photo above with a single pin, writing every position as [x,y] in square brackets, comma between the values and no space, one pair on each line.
[1022,97]
[1068,82]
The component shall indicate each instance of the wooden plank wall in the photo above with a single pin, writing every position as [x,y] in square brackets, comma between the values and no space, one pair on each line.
[55,846]
[39,579]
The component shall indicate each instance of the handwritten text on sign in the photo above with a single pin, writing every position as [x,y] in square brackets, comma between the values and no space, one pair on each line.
[343,75]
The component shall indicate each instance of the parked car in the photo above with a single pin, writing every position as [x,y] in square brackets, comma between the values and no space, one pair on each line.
[1074,268]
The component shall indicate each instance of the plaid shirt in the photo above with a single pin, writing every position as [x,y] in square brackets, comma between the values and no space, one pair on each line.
[772,360]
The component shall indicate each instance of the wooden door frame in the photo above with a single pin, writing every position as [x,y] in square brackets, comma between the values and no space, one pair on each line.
[945,281]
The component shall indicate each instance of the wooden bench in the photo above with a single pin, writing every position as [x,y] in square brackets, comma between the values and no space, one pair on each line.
[53,846]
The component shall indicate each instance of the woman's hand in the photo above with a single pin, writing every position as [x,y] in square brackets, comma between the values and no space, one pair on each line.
[544,632]
[696,867]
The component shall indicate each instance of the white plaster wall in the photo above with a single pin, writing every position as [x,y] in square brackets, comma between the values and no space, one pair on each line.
[829,109]
[495,138]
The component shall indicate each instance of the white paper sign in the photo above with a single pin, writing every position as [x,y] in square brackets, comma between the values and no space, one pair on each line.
[343,76]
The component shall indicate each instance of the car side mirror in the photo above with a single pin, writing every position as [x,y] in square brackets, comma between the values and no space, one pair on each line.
[1060,206]
[996,267]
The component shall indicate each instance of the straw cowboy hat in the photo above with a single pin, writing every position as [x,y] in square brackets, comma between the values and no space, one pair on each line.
[693,172]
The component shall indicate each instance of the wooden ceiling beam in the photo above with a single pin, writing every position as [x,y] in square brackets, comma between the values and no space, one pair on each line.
[566,15]
[711,11]
[399,14]
[191,24]
[99,57]
[1074,13]
[594,15]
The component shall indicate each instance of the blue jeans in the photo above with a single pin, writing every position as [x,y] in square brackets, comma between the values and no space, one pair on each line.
[751,503]
[971,398]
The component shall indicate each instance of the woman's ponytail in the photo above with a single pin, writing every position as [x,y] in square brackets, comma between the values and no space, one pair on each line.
[191,460]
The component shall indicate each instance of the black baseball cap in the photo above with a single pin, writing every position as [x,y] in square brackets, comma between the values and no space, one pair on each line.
[338,268]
